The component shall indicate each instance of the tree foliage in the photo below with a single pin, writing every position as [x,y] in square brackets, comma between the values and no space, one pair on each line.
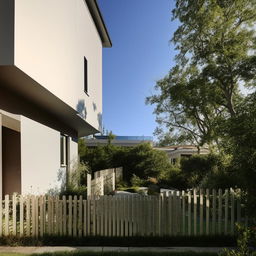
[142,160]
[216,47]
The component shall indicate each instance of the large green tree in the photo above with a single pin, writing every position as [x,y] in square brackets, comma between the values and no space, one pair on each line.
[216,55]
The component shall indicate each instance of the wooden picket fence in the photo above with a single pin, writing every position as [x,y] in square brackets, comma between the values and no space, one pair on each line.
[179,213]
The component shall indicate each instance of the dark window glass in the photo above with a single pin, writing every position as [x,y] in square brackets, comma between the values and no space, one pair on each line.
[85,75]
[64,150]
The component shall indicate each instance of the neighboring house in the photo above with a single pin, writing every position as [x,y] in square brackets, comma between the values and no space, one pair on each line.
[176,152]
[124,141]
[50,88]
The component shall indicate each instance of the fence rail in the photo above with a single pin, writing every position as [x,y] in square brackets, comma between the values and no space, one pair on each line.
[179,213]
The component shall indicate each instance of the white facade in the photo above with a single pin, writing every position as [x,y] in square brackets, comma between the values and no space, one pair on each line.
[51,40]
[43,47]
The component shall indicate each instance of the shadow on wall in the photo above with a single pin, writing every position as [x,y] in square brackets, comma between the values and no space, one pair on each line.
[100,122]
[94,106]
[81,109]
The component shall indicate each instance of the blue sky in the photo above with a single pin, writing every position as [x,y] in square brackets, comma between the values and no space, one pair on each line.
[141,54]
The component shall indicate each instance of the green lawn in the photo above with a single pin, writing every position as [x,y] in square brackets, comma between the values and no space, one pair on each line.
[114,254]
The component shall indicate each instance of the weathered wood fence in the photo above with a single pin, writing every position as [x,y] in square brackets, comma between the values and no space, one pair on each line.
[104,181]
[180,213]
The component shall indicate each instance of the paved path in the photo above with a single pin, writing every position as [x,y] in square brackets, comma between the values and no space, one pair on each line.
[30,250]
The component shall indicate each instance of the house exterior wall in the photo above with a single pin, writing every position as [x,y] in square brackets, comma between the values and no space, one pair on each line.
[51,40]
[43,44]
[40,157]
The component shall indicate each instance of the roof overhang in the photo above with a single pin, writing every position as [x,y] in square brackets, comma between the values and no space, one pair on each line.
[99,22]
[20,94]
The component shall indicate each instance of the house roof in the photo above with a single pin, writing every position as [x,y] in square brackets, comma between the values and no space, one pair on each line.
[99,22]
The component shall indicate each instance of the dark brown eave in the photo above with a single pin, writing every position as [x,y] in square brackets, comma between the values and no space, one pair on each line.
[99,22]
[20,94]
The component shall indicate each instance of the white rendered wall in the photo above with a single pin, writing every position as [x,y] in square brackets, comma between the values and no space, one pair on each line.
[73,151]
[51,39]
[40,157]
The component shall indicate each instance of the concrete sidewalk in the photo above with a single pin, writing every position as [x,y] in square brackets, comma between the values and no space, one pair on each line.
[44,249]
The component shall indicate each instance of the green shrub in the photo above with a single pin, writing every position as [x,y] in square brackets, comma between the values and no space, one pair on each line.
[246,239]
[137,181]
[141,160]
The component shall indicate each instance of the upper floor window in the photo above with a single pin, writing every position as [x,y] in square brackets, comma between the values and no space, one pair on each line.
[85,76]
[64,150]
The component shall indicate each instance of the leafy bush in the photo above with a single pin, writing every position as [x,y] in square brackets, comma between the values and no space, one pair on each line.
[137,181]
[173,177]
[142,160]
[246,238]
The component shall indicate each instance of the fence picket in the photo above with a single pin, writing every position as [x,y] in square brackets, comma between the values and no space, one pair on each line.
[14,216]
[85,218]
[70,215]
[64,201]
[207,204]
[109,216]
[21,216]
[220,211]
[56,216]
[105,205]
[195,211]
[239,206]
[60,217]
[213,211]
[232,228]
[6,215]
[28,216]
[75,217]
[41,220]
[201,211]
[189,213]
[226,212]
[80,216]
[183,212]
[88,216]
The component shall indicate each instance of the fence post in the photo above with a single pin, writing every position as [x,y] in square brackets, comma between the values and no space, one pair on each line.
[113,180]
[89,184]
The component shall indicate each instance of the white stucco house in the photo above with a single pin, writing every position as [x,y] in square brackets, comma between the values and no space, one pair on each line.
[50,88]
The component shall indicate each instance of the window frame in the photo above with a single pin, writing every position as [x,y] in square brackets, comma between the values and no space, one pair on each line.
[86,89]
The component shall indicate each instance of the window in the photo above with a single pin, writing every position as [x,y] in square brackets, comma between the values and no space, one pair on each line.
[85,76]
[64,150]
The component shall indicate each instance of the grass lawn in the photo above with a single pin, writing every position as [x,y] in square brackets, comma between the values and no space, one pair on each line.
[114,254]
